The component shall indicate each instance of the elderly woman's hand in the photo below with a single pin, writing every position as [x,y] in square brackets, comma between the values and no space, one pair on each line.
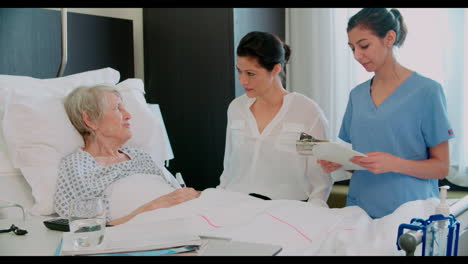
[176,197]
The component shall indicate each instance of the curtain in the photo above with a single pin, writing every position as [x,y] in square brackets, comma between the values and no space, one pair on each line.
[323,68]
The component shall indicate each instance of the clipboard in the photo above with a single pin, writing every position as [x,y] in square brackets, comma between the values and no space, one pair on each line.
[325,150]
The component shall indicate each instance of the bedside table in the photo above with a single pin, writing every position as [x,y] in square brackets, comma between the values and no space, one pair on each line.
[39,241]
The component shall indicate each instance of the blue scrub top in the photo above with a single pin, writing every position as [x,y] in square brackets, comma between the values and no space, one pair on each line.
[409,121]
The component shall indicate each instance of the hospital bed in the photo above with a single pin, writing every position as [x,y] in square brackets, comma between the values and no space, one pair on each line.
[312,228]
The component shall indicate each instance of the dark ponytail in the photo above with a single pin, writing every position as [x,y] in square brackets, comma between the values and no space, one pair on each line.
[287,54]
[403,31]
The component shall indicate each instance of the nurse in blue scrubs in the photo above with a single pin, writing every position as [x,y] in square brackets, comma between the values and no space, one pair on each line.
[398,118]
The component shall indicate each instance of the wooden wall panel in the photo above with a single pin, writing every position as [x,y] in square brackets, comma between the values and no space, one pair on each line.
[30,43]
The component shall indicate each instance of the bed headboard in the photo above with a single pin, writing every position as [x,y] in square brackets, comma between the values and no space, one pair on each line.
[30,43]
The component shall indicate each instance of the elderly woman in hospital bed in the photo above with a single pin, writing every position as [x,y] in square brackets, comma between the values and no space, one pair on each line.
[99,115]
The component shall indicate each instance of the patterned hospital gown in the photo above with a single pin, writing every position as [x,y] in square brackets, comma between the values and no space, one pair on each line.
[80,176]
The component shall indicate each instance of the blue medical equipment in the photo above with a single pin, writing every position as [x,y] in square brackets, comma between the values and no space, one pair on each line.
[438,234]
[433,244]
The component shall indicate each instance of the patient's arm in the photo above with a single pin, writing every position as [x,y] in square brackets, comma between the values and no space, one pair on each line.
[176,197]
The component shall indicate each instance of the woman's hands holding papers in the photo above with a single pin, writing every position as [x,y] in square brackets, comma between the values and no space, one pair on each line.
[376,162]
[328,166]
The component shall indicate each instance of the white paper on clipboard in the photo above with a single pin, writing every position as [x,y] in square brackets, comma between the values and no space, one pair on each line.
[332,151]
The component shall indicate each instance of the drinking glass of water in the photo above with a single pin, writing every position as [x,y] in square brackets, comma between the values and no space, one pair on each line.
[87,222]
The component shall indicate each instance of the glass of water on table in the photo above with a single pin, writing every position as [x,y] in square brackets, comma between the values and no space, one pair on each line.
[87,222]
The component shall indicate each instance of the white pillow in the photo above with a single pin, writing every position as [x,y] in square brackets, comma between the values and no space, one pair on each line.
[28,85]
[38,134]
[142,188]
[37,130]
[32,87]
[148,130]
[13,188]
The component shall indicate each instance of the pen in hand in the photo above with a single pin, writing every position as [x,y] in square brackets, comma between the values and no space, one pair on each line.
[180,180]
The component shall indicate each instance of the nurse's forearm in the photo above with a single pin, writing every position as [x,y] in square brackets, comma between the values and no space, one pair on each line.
[424,169]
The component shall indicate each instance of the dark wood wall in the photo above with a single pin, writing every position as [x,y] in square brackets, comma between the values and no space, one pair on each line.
[30,43]
[190,72]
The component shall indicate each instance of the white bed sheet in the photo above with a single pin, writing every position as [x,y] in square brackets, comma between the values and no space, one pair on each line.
[300,228]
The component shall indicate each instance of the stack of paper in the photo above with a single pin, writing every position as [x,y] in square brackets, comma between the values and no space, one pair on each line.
[132,237]
[330,151]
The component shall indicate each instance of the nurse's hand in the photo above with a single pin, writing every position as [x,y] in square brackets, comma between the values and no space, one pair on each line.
[328,166]
[376,162]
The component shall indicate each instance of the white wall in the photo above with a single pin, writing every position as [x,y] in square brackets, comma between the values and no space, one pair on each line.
[135,14]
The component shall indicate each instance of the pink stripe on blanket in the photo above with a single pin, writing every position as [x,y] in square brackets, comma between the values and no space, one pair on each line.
[297,230]
[208,221]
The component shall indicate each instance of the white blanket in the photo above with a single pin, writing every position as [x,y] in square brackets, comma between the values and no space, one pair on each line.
[300,228]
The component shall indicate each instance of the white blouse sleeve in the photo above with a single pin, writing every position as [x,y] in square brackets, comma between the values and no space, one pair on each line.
[321,182]
[223,179]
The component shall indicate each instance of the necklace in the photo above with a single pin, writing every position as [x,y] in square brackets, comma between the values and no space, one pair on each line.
[111,159]
[119,156]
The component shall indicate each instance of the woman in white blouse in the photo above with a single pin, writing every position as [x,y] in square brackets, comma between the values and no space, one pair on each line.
[263,126]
